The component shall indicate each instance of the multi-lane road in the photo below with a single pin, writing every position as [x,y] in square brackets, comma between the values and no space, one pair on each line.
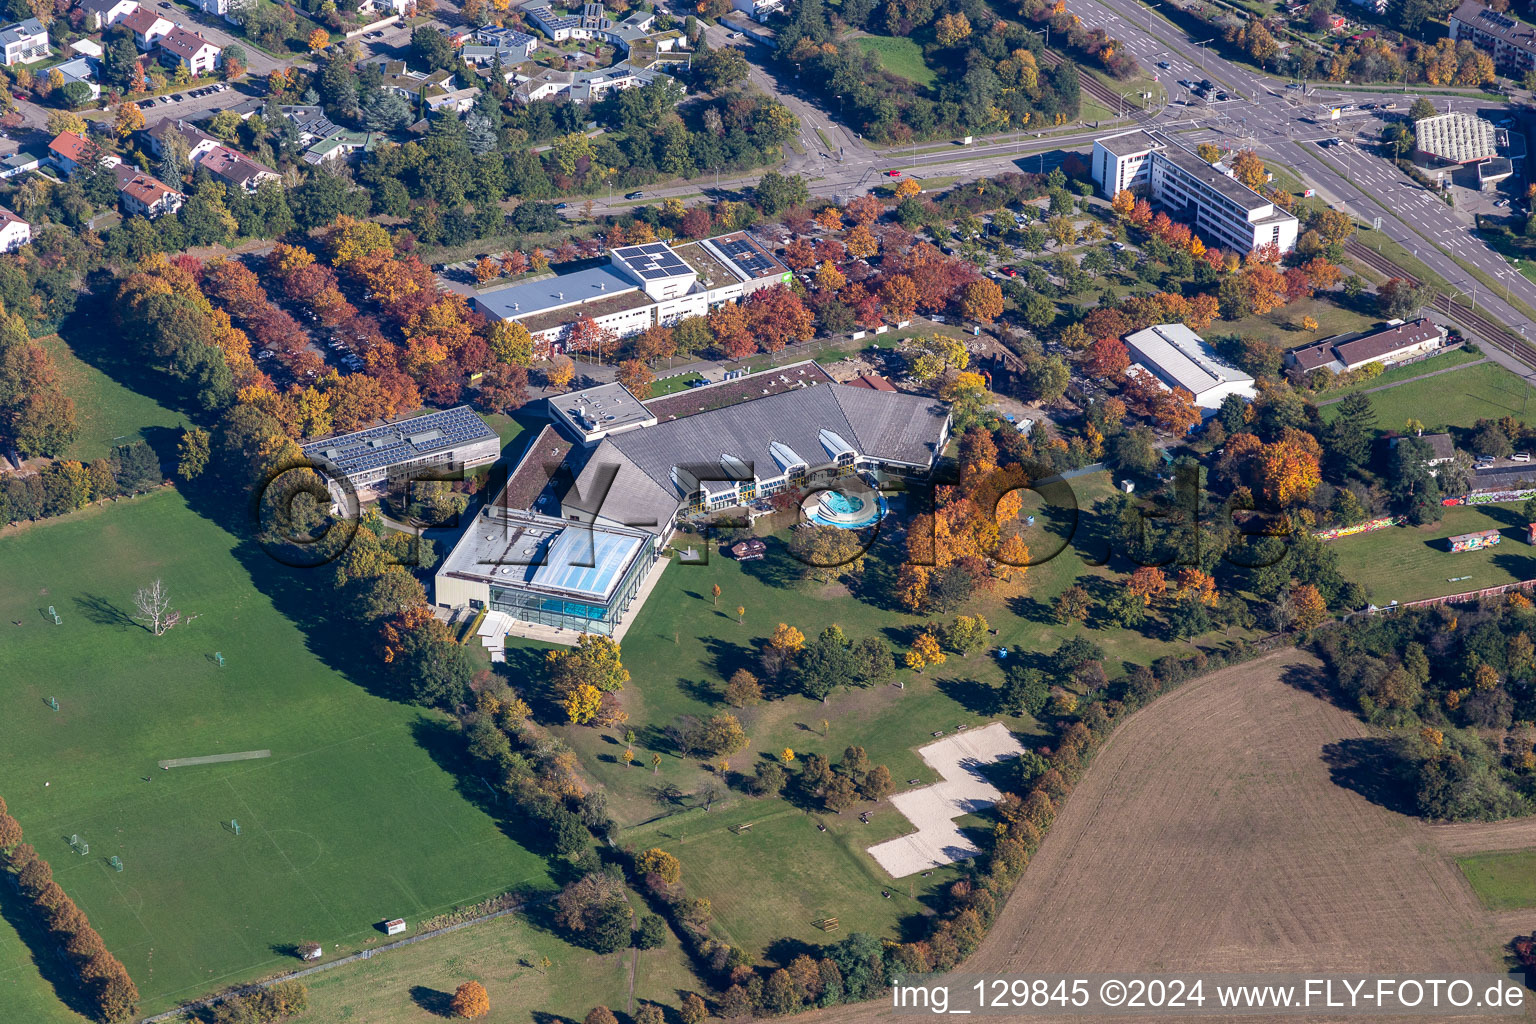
[1262,113]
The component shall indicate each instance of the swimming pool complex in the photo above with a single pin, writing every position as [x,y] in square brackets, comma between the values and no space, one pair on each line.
[847,511]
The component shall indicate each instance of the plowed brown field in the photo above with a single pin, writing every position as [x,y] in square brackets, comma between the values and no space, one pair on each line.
[1209,834]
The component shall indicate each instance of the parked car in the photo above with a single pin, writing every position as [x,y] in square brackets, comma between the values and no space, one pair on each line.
[1520,457]
[561,206]
[635,195]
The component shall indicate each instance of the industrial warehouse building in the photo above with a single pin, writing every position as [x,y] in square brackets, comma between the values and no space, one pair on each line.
[1178,357]
[1217,207]
[364,460]
[571,544]
[641,286]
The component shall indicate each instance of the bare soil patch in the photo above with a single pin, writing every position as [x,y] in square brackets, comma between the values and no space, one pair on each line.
[1210,834]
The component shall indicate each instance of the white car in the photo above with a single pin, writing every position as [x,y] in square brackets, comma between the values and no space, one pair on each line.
[1520,457]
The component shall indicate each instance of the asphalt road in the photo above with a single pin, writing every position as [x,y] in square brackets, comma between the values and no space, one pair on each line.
[1272,119]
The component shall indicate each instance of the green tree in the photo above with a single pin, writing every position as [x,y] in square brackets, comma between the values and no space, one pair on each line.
[777,192]
[193,450]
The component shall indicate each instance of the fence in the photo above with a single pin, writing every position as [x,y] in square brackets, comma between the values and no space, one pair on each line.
[1471,595]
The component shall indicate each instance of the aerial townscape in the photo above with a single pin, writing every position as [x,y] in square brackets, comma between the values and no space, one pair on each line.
[641,512]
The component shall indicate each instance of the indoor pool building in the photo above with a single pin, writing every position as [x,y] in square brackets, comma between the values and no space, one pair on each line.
[572,542]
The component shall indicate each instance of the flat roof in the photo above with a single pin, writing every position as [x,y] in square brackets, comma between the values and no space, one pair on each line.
[653,261]
[400,440]
[712,273]
[741,389]
[1128,143]
[542,554]
[1181,357]
[606,407]
[594,308]
[519,300]
[1224,185]
[747,255]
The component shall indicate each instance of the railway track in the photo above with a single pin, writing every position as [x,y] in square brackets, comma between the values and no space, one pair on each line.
[1492,333]
[1098,90]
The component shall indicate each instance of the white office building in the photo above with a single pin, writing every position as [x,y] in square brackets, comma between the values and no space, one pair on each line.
[1216,206]
[1178,357]
[640,287]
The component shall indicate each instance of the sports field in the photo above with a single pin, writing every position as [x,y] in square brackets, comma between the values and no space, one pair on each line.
[107,414]
[1410,564]
[354,818]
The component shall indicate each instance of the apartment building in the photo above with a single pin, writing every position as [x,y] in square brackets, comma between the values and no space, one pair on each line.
[1511,41]
[1219,208]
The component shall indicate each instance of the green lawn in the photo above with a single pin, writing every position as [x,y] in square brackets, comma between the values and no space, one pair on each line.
[673,384]
[1504,880]
[1397,374]
[24,994]
[355,817]
[900,56]
[1486,391]
[409,985]
[107,413]
[680,648]
[1283,326]
[1410,564]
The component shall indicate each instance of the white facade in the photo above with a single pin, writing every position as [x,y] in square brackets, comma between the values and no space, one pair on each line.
[14,232]
[107,13]
[1216,206]
[25,42]
[1179,357]
[758,9]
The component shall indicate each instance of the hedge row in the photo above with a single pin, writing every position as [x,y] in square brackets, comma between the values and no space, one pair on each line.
[102,976]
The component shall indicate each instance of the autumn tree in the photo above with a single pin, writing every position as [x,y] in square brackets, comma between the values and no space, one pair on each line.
[129,119]
[743,689]
[635,376]
[660,863]
[1147,583]
[982,300]
[319,39]
[470,1000]
[732,330]
[1308,607]
[778,318]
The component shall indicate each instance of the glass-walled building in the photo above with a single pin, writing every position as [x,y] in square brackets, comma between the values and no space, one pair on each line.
[547,571]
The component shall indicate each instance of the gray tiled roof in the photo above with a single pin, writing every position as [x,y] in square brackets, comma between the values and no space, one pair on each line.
[889,426]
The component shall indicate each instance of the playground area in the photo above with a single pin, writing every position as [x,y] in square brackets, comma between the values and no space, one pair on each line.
[209,817]
[959,760]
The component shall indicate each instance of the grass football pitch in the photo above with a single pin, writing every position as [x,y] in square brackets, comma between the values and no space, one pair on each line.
[356,817]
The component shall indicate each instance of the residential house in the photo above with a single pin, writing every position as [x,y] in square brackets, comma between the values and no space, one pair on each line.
[328,142]
[180,48]
[69,151]
[218,8]
[758,10]
[82,70]
[198,142]
[148,28]
[14,232]
[25,42]
[237,169]
[491,42]
[103,14]
[144,195]
[438,90]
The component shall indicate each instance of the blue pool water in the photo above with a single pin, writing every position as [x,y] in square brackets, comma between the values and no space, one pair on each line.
[846,512]
[841,503]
